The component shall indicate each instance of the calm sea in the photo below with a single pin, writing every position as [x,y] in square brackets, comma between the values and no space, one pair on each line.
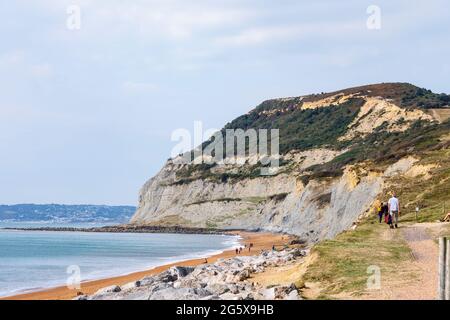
[32,260]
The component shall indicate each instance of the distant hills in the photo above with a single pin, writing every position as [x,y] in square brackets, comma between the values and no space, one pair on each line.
[65,213]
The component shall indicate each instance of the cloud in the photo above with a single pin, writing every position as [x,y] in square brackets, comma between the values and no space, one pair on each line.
[270,34]
[11,58]
[41,70]
[173,19]
[139,87]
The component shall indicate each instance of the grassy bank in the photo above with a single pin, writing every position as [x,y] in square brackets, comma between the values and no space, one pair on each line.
[430,192]
[341,267]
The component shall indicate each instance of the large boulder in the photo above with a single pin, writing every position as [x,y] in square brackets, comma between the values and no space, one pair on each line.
[180,272]
[110,289]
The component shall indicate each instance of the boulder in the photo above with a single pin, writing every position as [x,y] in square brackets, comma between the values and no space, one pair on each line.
[211,297]
[293,295]
[230,296]
[217,288]
[110,289]
[268,293]
[166,276]
[181,272]
[174,294]
[131,285]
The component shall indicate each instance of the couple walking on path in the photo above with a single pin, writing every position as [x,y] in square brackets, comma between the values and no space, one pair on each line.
[390,211]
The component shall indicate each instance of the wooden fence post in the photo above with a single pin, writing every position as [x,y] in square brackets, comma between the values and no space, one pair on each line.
[442,268]
[447,270]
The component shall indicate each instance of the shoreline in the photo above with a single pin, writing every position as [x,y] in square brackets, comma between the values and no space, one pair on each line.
[260,240]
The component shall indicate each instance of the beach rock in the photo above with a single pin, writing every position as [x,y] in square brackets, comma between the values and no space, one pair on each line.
[166,276]
[233,288]
[268,293]
[211,297]
[133,295]
[181,272]
[188,283]
[293,295]
[174,294]
[298,241]
[147,281]
[131,285]
[244,275]
[110,289]
[217,289]
[230,296]
[282,291]
[227,279]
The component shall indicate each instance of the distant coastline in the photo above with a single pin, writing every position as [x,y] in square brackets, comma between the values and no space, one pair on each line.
[65,214]
[128,228]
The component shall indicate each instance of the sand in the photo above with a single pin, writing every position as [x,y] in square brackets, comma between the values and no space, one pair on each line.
[260,241]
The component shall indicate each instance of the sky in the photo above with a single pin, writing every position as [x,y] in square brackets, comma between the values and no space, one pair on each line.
[91,90]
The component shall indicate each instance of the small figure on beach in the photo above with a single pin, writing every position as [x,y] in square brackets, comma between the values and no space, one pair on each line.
[237,250]
[206,261]
[273,248]
[394,210]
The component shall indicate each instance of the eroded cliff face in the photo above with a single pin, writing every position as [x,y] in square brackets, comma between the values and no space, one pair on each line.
[318,192]
[280,203]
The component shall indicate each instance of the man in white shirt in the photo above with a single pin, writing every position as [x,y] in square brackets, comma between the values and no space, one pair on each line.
[394,210]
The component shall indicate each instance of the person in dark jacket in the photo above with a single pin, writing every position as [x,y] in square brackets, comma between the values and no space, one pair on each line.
[380,212]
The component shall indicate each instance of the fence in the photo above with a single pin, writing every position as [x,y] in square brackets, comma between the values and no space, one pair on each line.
[444,269]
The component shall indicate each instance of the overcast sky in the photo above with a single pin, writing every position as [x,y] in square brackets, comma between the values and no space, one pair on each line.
[86,115]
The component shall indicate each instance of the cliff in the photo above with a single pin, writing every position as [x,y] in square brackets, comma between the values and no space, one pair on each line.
[338,154]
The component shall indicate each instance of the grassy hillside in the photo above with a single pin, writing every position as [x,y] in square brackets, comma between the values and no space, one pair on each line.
[303,129]
[341,265]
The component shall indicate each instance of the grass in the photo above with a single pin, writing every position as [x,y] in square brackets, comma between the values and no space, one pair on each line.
[342,264]
[252,200]
[431,195]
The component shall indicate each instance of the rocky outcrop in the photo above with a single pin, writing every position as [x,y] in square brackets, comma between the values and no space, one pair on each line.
[226,279]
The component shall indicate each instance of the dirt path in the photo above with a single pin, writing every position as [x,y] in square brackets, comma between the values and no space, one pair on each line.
[425,255]
[424,252]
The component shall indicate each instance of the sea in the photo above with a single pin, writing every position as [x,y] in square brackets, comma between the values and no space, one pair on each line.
[35,260]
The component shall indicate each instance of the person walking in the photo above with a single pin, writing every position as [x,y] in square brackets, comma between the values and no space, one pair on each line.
[394,210]
[385,211]
[380,211]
